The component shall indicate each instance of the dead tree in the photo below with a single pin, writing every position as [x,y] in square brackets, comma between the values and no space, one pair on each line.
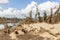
[45,17]
[57,15]
[39,18]
[30,14]
[29,18]
[51,17]
[37,15]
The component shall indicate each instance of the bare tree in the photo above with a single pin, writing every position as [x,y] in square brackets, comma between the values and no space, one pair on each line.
[29,19]
[51,17]
[30,14]
[37,15]
[45,16]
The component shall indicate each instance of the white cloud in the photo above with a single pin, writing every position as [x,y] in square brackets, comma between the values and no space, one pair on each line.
[47,5]
[29,7]
[4,1]
[43,6]
[12,12]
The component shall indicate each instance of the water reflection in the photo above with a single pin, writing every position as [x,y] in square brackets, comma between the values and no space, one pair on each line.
[9,25]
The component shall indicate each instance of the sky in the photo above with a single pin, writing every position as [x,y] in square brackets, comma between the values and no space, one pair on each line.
[21,8]
[20,4]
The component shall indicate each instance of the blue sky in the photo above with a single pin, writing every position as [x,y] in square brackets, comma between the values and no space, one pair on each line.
[21,4]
